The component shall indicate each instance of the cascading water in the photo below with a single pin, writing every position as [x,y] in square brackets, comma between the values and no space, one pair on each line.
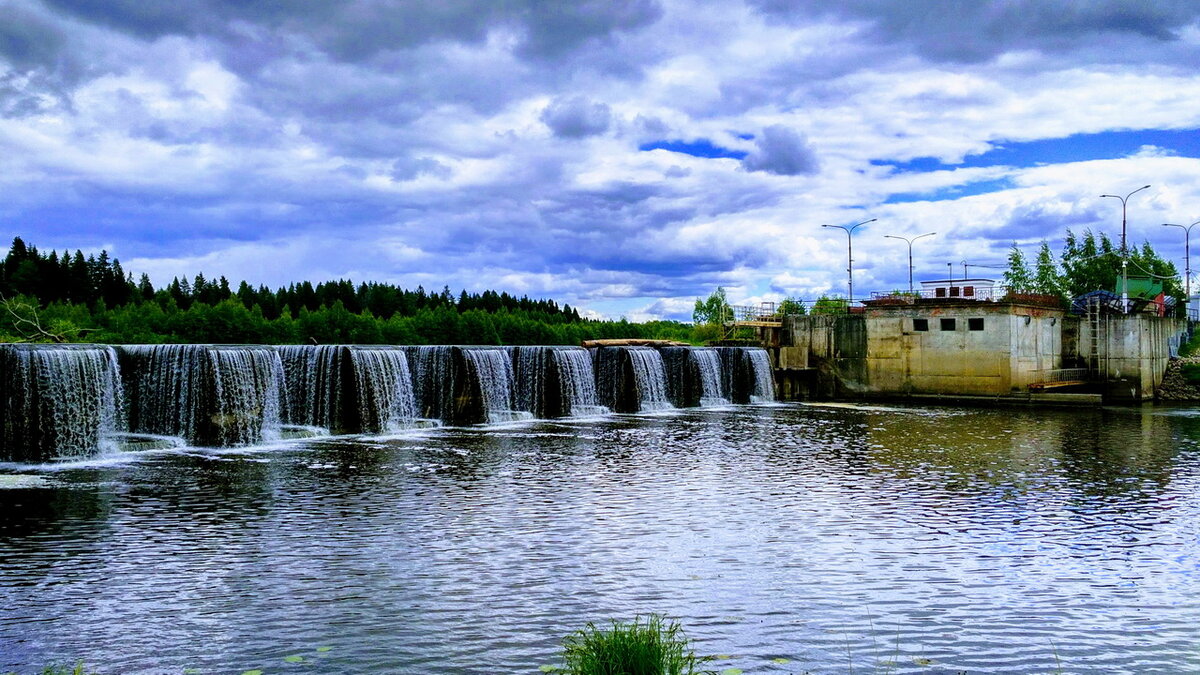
[67,401]
[165,384]
[208,395]
[248,385]
[385,389]
[433,379]
[577,382]
[709,374]
[493,370]
[61,402]
[650,378]
[313,375]
[529,379]
[759,363]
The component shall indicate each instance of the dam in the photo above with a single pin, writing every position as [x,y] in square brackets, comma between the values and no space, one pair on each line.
[78,401]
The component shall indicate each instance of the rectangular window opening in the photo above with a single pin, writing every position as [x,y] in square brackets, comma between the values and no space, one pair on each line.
[948,324]
[920,324]
[974,324]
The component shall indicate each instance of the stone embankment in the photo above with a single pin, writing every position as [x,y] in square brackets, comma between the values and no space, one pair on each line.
[1175,386]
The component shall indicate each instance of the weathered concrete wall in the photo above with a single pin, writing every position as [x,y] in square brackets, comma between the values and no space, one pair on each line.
[1009,350]
[882,353]
[1134,351]
[822,355]
[1036,336]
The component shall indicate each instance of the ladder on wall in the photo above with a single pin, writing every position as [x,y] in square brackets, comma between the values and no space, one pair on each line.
[1095,322]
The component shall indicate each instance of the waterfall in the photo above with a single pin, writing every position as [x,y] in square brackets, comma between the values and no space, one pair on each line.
[649,377]
[432,371]
[529,379]
[385,389]
[314,385]
[61,402]
[763,378]
[164,383]
[709,374]
[493,369]
[248,382]
[208,395]
[577,382]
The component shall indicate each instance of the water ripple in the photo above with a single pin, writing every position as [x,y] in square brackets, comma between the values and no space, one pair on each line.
[881,538]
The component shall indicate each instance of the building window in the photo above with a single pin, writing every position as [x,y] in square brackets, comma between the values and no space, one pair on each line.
[941,292]
[974,324]
[920,324]
[968,291]
[948,324]
[954,291]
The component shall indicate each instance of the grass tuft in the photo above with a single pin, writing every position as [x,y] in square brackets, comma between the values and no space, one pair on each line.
[648,645]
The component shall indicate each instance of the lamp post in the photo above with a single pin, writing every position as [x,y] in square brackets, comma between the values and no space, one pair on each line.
[910,263]
[850,258]
[1187,256]
[1124,251]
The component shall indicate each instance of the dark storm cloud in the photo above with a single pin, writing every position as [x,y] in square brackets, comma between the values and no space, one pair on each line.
[975,30]
[359,30]
[783,152]
[576,117]
[27,39]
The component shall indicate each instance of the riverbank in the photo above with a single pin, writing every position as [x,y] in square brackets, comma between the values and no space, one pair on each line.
[1181,382]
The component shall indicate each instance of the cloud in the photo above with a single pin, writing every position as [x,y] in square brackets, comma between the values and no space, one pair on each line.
[576,117]
[408,168]
[783,152]
[437,142]
[970,32]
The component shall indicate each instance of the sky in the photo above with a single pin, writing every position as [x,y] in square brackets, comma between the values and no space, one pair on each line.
[623,156]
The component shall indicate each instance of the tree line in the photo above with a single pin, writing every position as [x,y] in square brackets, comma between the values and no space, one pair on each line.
[1087,263]
[72,298]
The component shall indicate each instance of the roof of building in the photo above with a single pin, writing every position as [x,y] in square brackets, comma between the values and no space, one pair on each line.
[975,280]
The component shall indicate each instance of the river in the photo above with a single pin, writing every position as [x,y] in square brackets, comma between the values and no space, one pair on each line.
[784,538]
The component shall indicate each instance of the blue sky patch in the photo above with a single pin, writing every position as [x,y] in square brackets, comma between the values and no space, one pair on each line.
[1077,148]
[701,147]
[951,192]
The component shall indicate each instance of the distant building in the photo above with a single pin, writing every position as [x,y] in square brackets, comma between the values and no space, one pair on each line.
[966,289]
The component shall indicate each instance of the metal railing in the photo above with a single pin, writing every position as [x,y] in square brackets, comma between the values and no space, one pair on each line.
[965,291]
[764,311]
[1065,375]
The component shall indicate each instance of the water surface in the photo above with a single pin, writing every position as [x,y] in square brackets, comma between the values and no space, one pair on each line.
[842,539]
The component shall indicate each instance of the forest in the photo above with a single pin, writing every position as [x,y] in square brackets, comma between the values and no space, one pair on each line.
[68,297]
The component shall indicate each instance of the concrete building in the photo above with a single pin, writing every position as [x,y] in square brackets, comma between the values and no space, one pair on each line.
[903,346]
[961,347]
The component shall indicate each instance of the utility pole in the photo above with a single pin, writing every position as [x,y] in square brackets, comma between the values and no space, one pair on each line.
[1187,257]
[1124,250]
[910,262]
[850,258]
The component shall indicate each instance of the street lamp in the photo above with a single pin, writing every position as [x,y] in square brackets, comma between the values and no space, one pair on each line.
[850,257]
[1124,251]
[1187,256]
[910,264]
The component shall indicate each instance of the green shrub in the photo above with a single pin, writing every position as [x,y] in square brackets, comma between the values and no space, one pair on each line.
[1190,372]
[647,646]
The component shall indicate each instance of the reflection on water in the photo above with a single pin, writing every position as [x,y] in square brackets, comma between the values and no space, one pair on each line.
[842,539]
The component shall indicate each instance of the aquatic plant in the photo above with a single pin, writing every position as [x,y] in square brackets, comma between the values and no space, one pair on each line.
[648,645]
